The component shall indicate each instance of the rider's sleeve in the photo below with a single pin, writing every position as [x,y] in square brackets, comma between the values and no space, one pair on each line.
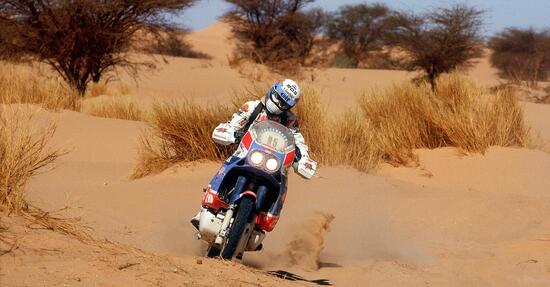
[240,118]
[302,149]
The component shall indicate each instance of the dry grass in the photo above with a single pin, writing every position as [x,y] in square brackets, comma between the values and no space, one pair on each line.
[180,132]
[21,85]
[24,153]
[387,126]
[114,107]
[391,124]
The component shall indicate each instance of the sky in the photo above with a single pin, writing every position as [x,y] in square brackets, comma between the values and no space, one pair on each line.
[499,13]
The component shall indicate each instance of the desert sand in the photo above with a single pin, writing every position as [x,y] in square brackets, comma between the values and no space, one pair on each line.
[456,220]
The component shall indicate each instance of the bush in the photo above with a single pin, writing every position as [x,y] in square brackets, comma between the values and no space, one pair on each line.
[521,54]
[360,28]
[274,32]
[392,124]
[23,153]
[82,40]
[441,40]
[180,132]
[386,127]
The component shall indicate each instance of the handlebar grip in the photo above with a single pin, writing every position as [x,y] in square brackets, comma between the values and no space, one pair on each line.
[238,136]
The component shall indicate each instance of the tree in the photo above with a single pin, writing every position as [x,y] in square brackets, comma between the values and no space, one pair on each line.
[360,28]
[274,32]
[441,40]
[83,39]
[522,54]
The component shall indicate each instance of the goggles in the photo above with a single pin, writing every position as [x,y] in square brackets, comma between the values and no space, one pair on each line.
[280,98]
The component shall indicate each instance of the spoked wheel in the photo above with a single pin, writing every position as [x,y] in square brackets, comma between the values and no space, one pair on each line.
[239,225]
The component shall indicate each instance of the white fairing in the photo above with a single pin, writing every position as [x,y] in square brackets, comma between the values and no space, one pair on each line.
[209,225]
[224,134]
[306,167]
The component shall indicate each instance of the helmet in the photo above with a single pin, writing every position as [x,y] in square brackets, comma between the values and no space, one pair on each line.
[282,96]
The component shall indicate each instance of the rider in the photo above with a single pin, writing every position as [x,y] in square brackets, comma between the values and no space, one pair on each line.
[275,106]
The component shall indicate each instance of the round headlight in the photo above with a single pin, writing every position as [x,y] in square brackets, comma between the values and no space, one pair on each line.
[272,164]
[256,157]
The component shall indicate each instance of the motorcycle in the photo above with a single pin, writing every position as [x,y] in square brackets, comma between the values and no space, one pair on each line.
[244,199]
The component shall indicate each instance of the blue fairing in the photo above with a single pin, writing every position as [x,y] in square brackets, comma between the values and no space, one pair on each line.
[234,167]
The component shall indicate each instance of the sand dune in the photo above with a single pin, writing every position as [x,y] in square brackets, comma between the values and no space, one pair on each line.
[456,220]
[209,81]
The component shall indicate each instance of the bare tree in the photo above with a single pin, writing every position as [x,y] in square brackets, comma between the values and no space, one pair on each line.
[441,40]
[360,28]
[83,39]
[522,54]
[272,31]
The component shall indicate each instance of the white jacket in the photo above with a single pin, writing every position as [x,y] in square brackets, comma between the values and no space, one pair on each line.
[239,120]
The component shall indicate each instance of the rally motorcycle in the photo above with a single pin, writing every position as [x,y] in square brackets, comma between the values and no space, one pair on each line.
[245,197]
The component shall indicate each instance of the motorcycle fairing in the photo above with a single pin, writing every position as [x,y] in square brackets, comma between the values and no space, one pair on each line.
[217,194]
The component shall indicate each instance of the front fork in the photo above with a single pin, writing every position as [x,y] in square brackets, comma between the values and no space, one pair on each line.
[238,192]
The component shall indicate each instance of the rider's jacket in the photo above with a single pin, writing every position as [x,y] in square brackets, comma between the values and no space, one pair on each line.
[240,119]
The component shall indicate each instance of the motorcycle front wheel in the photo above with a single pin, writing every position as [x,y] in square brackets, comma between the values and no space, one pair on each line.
[213,251]
[239,225]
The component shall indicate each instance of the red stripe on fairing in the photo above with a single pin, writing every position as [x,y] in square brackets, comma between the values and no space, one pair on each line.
[247,140]
[289,157]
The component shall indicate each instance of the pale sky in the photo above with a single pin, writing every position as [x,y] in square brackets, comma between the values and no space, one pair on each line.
[500,13]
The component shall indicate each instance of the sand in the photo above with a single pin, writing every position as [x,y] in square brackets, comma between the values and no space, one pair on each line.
[456,220]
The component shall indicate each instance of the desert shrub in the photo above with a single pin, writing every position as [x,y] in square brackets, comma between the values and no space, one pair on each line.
[114,107]
[82,40]
[314,126]
[274,32]
[360,28]
[386,126]
[392,124]
[439,41]
[521,54]
[23,153]
[20,85]
[180,132]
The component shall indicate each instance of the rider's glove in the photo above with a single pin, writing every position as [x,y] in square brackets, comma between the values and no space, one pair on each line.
[306,167]
[224,134]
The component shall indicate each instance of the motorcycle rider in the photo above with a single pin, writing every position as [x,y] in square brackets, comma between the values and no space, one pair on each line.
[275,106]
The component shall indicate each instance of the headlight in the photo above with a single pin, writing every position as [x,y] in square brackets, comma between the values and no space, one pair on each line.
[272,164]
[256,157]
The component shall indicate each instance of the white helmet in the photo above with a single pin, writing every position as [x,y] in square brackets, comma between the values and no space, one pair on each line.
[282,96]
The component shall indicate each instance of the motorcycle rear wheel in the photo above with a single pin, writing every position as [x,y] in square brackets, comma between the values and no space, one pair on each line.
[241,221]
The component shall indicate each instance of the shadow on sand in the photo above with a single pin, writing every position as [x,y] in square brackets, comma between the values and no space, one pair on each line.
[293,277]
